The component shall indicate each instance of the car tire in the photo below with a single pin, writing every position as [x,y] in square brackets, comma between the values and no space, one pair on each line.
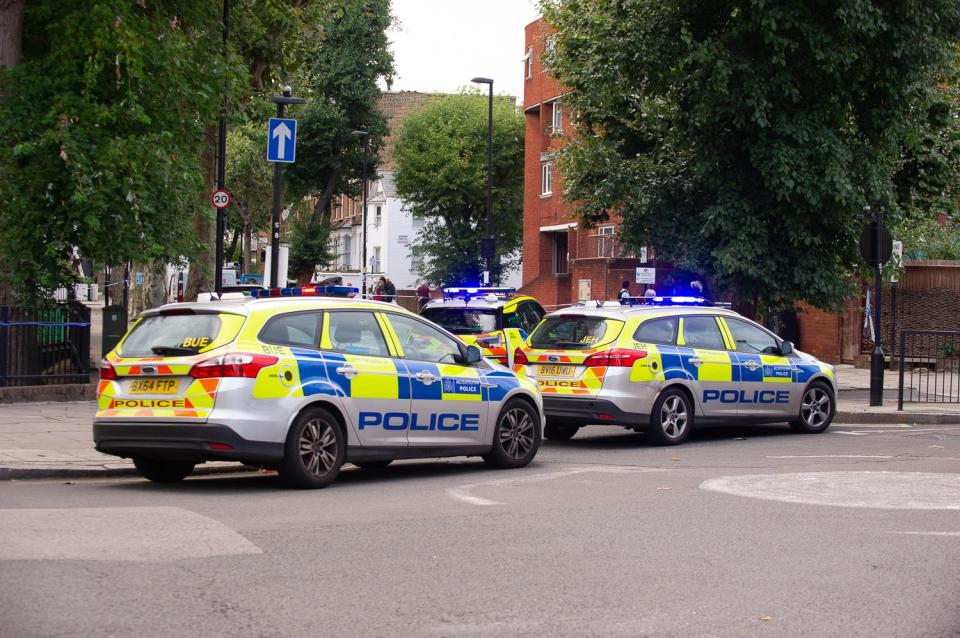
[817,409]
[314,450]
[163,471]
[372,465]
[516,437]
[559,432]
[671,419]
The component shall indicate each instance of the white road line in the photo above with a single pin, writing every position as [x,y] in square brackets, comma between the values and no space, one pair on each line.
[850,433]
[927,533]
[833,456]
[462,492]
[896,426]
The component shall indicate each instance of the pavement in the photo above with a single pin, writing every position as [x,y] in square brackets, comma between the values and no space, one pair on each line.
[54,440]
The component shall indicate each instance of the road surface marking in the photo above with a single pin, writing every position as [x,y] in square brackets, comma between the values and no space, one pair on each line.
[144,534]
[877,490]
[833,456]
[462,492]
[927,533]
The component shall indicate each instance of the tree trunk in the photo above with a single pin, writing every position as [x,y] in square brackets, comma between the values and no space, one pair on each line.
[232,251]
[152,292]
[203,264]
[11,32]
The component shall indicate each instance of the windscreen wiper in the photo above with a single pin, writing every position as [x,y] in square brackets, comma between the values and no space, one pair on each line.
[168,351]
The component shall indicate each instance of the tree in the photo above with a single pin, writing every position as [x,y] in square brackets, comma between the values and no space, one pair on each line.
[741,138]
[441,157]
[309,240]
[250,181]
[100,134]
[341,81]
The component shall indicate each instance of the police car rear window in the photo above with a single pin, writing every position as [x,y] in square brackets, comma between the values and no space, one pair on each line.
[663,330]
[173,335]
[463,320]
[575,332]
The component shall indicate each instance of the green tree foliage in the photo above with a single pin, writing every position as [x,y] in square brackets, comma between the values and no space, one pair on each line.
[249,178]
[340,80]
[309,241]
[441,157]
[741,137]
[100,134]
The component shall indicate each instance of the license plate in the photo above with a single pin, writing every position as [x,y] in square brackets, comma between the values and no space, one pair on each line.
[558,371]
[154,386]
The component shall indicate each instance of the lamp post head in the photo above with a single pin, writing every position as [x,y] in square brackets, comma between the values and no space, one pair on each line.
[360,134]
[287,91]
[483,81]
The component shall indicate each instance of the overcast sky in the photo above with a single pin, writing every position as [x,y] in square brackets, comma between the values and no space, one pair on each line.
[438,45]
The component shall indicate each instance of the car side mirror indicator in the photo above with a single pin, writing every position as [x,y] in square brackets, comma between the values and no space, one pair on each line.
[786,348]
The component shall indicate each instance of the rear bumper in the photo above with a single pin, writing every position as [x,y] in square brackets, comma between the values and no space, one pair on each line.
[168,441]
[582,411]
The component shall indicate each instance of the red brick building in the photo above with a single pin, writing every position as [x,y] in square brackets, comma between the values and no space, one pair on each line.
[563,262]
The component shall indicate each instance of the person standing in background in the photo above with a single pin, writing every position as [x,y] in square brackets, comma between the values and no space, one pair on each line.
[423,295]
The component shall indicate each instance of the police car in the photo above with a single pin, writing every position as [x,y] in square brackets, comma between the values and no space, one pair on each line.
[494,319]
[665,366]
[304,384]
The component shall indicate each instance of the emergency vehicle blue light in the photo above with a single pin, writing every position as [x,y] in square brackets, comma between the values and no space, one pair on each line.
[306,291]
[681,301]
[468,293]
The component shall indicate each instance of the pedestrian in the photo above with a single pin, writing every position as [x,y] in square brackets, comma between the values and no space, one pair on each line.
[378,290]
[624,295]
[423,295]
[389,290]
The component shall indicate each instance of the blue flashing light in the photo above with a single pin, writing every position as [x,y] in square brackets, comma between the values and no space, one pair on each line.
[462,292]
[306,291]
[680,300]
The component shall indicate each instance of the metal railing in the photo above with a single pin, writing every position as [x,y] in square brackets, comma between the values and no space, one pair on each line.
[40,346]
[934,360]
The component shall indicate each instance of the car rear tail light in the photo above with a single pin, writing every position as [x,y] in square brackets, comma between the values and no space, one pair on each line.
[604,416]
[107,371]
[520,357]
[220,446]
[239,364]
[617,358]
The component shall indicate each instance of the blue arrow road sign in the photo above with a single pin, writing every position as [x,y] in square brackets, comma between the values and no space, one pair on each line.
[282,140]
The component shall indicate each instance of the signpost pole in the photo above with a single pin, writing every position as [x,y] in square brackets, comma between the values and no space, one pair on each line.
[876,358]
[221,167]
[279,153]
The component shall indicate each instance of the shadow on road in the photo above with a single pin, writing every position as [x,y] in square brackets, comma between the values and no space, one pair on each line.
[613,438]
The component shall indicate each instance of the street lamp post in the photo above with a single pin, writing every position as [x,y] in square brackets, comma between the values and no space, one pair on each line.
[221,166]
[487,244]
[364,136]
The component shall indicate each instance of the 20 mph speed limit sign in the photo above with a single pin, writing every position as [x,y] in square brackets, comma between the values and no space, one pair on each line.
[220,199]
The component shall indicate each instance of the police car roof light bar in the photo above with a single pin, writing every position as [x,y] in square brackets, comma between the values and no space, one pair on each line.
[460,292]
[306,291]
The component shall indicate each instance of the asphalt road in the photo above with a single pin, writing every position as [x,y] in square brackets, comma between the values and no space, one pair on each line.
[739,532]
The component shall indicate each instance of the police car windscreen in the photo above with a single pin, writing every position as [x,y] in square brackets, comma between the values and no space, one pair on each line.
[171,335]
[463,320]
[575,332]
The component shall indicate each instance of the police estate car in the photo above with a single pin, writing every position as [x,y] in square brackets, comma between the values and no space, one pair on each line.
[304,384]
[493,319]
[661,368]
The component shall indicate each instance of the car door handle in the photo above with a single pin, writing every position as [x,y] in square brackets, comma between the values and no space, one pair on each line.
[697,361]
[348,371]
[426,377]
[751,365]
[487,384]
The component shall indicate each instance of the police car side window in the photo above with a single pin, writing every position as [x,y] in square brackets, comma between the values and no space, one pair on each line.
[662,330]
[298,329]
[421,342]
[702,332]
[528,316]
[357,333]
[749,338]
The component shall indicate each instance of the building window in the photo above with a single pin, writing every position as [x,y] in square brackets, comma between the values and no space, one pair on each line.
[605,241]
[528,62]
[378,217]
[546,179]
[557,123]
[550,44]
[560,254]
[375,260]
[346,252]
[416,260]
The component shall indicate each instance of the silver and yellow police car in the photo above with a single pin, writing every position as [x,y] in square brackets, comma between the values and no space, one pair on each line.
[304,384]
[495,320]
[669,364]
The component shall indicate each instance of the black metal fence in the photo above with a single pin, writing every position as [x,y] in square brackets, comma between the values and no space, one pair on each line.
[929,367]
[41,346]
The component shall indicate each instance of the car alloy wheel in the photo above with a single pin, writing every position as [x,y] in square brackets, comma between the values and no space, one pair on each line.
[318,447]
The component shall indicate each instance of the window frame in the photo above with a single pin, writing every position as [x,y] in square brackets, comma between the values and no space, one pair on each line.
[676,330]
[728,321]
[716,323]
[402,354]
[319,338]
[546,179]
[373,315]
[556,117]
[528,63]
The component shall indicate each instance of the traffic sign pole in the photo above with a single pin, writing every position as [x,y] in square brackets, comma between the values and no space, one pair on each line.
[282,135]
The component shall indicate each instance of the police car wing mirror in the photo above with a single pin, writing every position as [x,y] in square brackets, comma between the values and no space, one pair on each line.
[473,355]
[786,348]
